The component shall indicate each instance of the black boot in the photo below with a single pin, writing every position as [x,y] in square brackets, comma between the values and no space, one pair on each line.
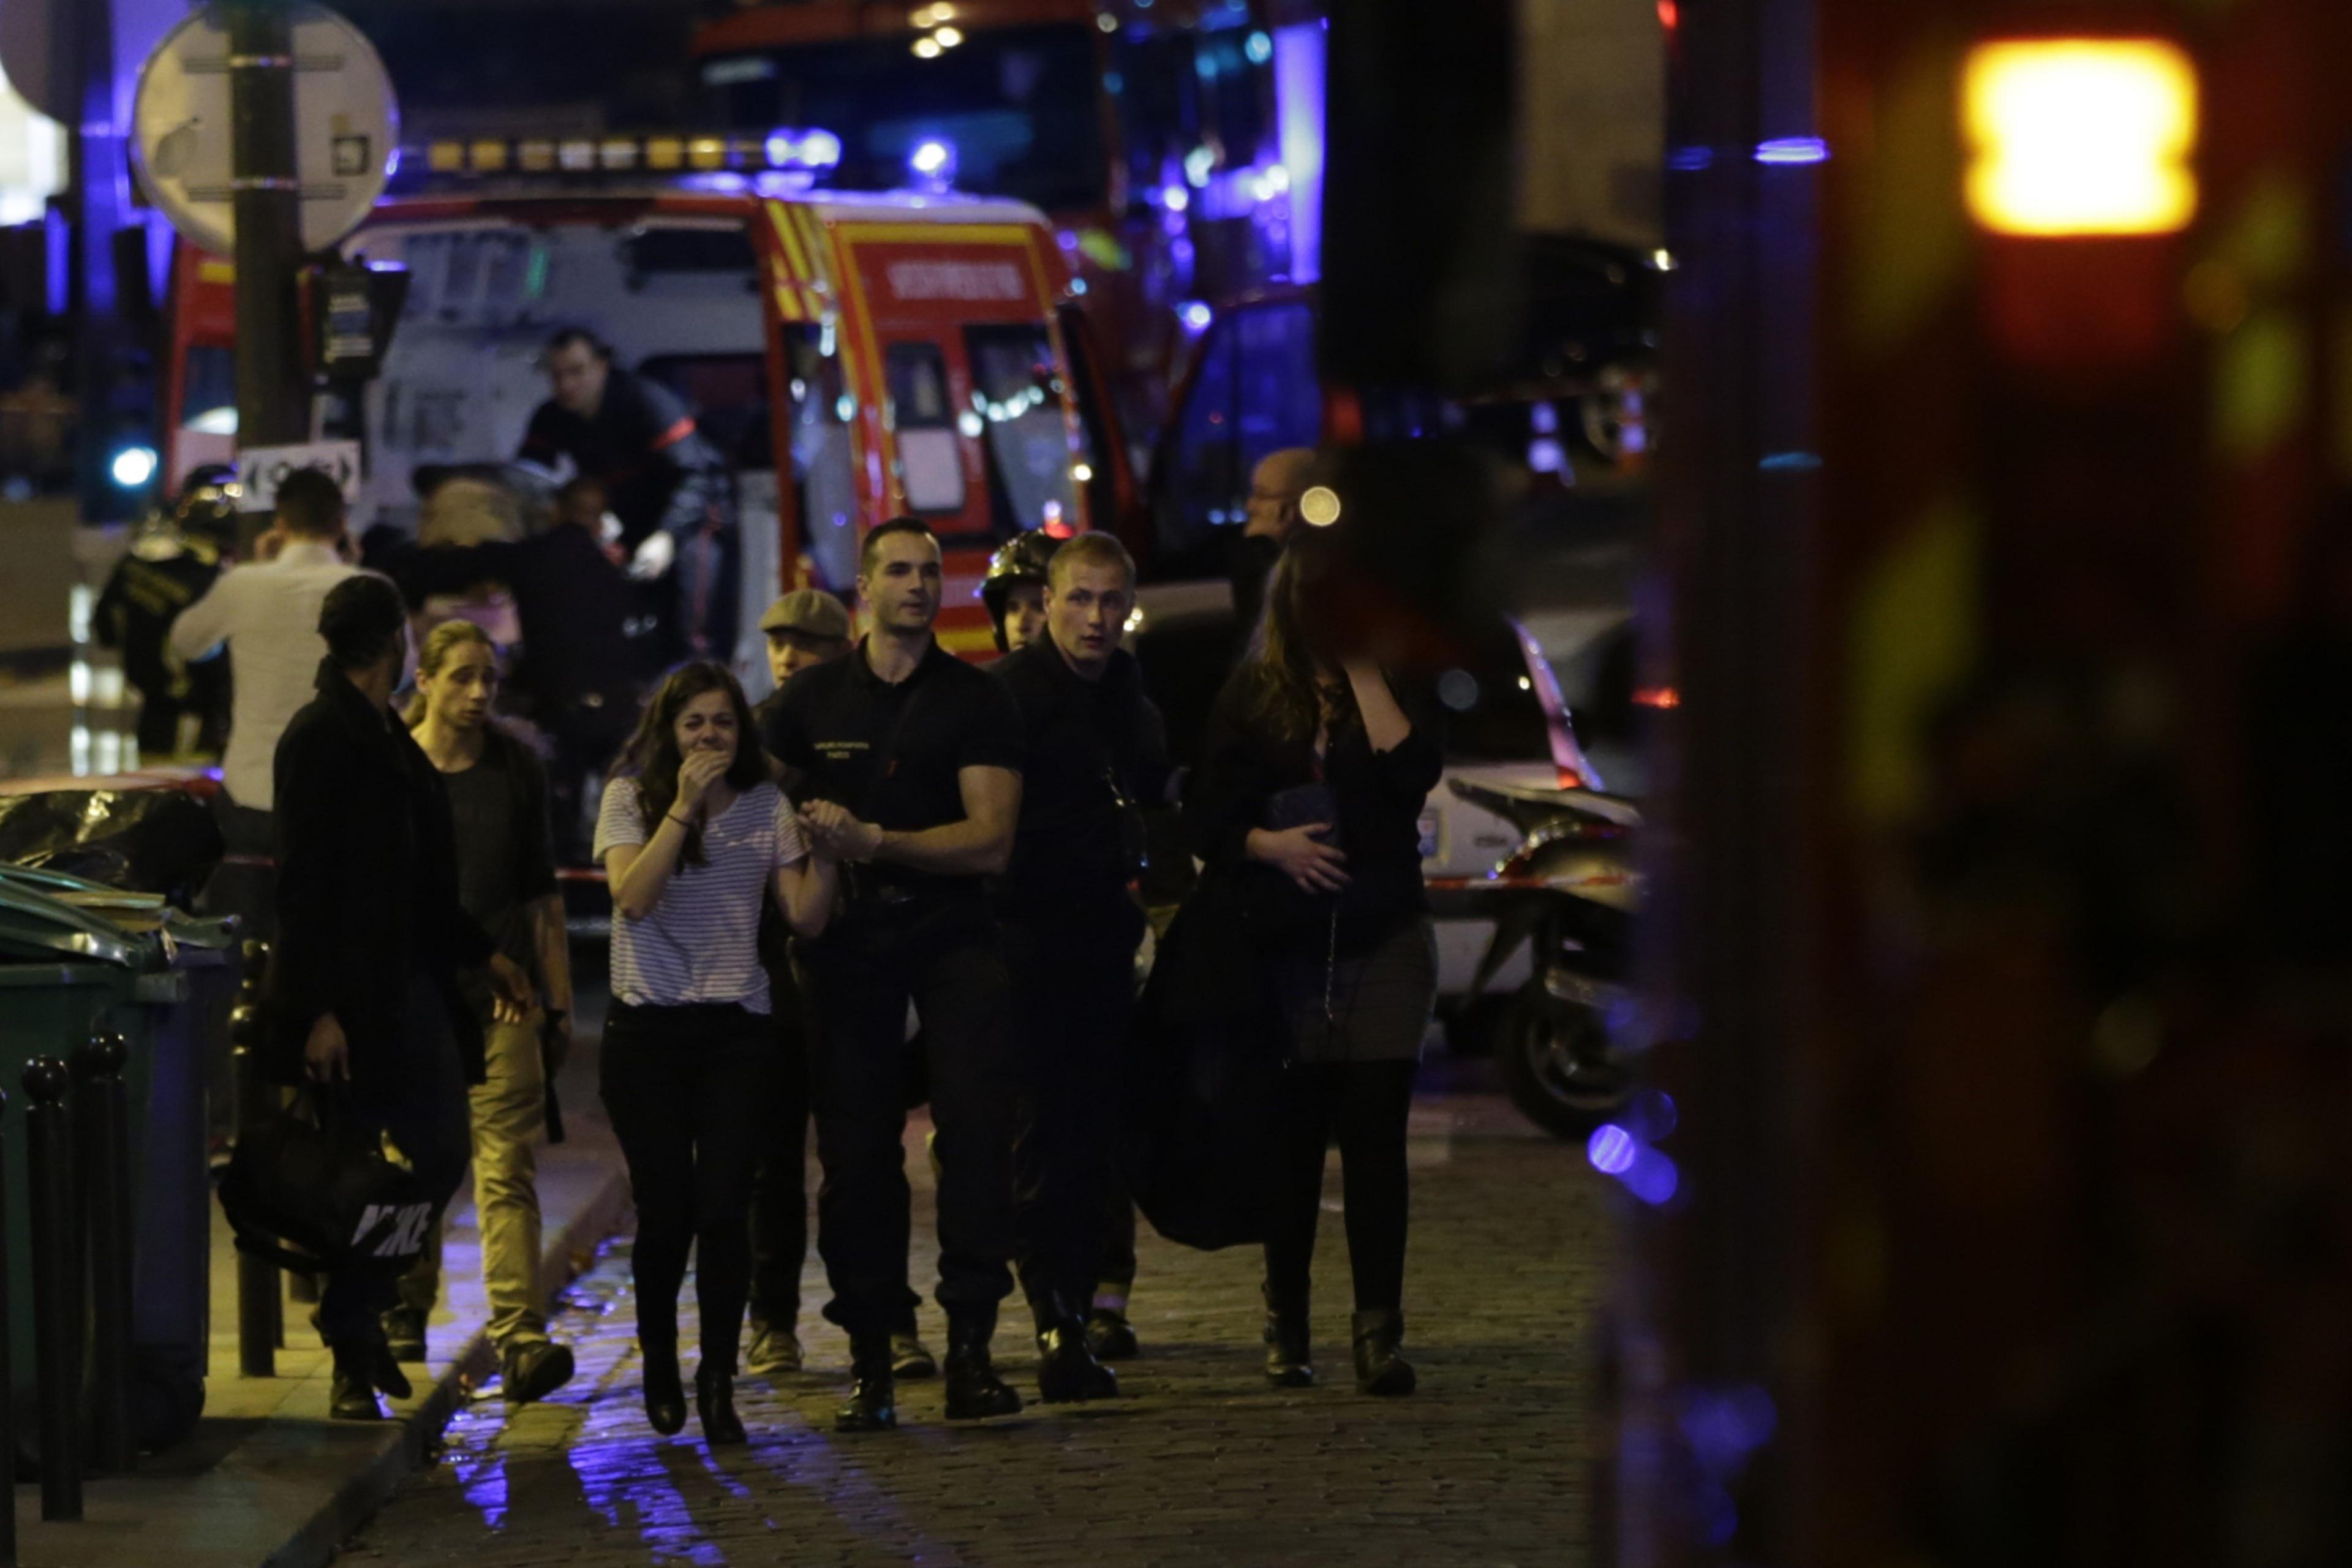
[714,1402]
[665,1386]
[352,1395]
[1110,1336]
[873,1400]
[1067,1368]
[1290,1344]
[974,1391]
[1379,1370]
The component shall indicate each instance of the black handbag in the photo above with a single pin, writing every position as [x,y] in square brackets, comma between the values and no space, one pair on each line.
[326,1190]
[1204,1085]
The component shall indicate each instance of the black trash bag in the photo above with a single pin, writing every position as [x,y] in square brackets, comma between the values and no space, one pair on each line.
[322,1193]
[139,840]
[1204,1080]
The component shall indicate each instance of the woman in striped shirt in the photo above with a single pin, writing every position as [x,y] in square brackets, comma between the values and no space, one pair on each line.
[693,837]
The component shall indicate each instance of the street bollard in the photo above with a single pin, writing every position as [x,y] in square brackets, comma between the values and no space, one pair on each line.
[102,1113]
[7,1391]
[258,1330]
[56,1330]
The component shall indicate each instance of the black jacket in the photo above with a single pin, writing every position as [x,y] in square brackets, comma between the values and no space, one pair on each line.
[1380,796]
[1080,738]
[367,889]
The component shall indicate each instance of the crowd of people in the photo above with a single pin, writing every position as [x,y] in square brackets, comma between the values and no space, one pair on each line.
[893,833]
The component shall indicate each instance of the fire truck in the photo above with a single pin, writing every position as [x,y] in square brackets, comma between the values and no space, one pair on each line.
[852,356]
[1177,144]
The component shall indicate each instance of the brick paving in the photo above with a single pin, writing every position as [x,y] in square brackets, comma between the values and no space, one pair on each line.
[1201,1464]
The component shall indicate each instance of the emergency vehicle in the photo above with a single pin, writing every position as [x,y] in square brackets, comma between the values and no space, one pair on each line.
[852,356]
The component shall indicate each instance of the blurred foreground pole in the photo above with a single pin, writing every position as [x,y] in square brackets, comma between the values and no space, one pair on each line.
[1999,949]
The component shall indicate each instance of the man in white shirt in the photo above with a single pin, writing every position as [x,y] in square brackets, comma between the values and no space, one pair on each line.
[265,614]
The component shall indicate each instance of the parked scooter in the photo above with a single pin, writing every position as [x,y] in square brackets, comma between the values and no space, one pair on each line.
[1571,888]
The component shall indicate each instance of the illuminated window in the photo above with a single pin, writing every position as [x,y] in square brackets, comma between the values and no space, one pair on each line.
[2081,136]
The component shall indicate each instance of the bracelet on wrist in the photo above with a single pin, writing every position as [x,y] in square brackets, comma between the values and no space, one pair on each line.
[681,821]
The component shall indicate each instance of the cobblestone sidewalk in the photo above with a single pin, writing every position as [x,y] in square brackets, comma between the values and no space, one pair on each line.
[1202,1464]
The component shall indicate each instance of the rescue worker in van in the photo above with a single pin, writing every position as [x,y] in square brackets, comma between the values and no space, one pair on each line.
[667,483]
[1093,748]
[1015,590]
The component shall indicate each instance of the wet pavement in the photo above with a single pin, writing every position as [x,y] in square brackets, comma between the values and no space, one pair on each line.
[1201,1463]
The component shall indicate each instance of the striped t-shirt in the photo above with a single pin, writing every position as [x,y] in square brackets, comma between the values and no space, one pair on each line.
[701,944]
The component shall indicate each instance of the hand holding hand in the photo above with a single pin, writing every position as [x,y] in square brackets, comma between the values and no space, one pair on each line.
[839,834]
[1300,854]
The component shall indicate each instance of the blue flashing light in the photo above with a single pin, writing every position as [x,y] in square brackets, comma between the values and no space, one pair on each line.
[1611,1149]
[1690,160]
[1196,315]
[931,165]
[1260,48]
[1652,1178]
[1175,198]
[820,150]
[132,466]
[1206,64]
[1782,149]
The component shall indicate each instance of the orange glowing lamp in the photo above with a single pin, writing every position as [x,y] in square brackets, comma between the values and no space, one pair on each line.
[2080,136]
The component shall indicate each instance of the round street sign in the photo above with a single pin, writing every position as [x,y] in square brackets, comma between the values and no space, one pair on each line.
[346,128]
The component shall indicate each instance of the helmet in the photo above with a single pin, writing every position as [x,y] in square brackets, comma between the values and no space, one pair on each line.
[1024,559]
[207,502]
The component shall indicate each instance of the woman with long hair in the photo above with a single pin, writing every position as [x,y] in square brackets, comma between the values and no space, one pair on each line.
[694,838]
[1308,801]
[506,880]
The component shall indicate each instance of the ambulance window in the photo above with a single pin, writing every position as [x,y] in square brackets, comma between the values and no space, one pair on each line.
[208,389]
[825,468]
[1018,393]
[931,464]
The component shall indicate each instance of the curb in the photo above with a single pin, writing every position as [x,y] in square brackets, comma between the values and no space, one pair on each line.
[563,1257]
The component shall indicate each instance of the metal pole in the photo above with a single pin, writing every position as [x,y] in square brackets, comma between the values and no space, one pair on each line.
[7,1390]
[273,391]
[102,1145]
[56,1335]
[257,1332]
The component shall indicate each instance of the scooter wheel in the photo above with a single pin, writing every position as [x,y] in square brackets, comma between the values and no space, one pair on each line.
[1558,1066]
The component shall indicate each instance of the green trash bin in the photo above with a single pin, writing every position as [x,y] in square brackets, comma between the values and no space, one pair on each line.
[67,971]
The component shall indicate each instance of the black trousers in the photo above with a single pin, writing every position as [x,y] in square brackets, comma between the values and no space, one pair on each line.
[1074,998]
[420,1099]
[780,1194]
[689,1090]
[947,956]
[1364,1106]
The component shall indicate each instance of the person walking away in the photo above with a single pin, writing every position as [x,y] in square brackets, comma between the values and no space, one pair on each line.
[694,838]
[1093,748]
[668,485]
[1013,590]
[506,880]
[1310,790]
[363,990]
[913,762]
[264,615]
[581,666]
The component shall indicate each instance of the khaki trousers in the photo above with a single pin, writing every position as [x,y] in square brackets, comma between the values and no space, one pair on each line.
[508,1112]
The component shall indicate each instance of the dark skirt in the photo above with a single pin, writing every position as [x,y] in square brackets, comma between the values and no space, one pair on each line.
[1367,1007]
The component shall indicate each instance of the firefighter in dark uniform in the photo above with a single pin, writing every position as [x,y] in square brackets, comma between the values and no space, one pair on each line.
[912,763]
[669,486]
[170,565]
[1094,750]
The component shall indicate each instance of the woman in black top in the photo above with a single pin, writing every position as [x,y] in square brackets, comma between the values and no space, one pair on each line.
[1309,797]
